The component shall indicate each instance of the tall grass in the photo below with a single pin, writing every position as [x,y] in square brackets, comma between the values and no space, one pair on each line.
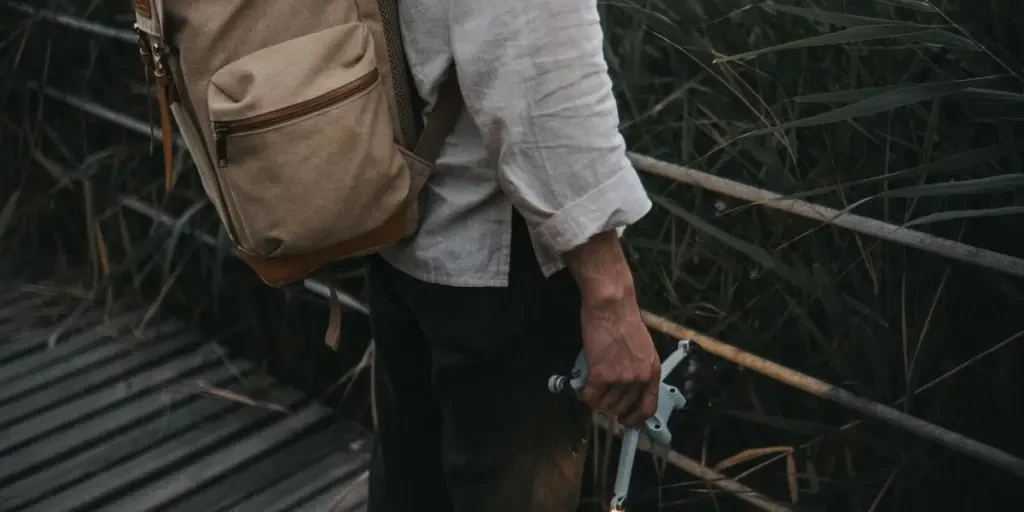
[908,111]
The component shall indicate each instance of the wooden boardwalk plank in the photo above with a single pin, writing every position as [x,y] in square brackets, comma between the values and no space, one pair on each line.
[286,460]
[35,340]
[33,355]
[218,463]
[329,474]
[107,420]
[23,462]
[23,305]
[105,454]
[106,361]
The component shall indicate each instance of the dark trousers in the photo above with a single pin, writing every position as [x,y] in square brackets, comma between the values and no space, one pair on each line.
[465,420]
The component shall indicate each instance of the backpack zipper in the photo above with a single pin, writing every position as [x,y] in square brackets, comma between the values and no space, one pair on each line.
[223,129]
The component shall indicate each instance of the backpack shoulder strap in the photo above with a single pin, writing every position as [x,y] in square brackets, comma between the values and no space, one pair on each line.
[441,119]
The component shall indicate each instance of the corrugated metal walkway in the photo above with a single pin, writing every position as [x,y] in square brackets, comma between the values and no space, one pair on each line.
[112,420]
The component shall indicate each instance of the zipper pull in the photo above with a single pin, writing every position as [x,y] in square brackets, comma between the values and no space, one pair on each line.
[220,138]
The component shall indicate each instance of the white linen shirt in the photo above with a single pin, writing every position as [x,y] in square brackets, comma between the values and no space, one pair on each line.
[539,134]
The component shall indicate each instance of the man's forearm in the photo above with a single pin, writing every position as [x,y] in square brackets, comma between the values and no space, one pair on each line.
[601,270]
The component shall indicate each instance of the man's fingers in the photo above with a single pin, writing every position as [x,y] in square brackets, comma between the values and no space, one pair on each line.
[623,394]
[647,407]
[629,416]
[614,400]
[609,401]
[628,401]
[592,393]
[649,401]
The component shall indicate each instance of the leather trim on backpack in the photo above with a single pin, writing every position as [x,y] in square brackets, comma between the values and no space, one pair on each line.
[285,270]
[143,8]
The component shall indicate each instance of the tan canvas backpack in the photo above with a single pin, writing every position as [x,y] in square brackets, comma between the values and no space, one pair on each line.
[300,118]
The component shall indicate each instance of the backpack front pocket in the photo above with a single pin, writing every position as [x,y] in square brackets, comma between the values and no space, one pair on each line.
[276,118]
[303,143]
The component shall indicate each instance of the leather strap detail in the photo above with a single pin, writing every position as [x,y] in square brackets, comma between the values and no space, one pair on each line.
[166,132]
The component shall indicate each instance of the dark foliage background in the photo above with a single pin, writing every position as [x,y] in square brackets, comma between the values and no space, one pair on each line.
[908,111]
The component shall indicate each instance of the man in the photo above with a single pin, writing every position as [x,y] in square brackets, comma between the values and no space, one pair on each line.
[517,265]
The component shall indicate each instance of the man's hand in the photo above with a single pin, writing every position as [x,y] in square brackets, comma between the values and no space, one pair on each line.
[624,371]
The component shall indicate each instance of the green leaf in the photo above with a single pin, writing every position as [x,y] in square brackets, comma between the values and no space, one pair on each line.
[978,94]
[761,256]
[957,162]
[852,95]
[841,37]
[917,5]
[1000,183]
[835,18]
[965,214]
[886,101]
[847,96]
[933,34]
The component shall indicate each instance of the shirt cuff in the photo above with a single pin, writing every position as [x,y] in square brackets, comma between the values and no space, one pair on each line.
[617,203]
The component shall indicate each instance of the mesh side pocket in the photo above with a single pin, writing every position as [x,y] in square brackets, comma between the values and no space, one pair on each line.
[402,83]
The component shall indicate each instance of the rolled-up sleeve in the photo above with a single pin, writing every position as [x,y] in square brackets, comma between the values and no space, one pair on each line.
[536,83]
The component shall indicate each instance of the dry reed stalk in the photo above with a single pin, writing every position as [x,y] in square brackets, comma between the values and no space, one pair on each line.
[822,389]
[908,237]
[680,461]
